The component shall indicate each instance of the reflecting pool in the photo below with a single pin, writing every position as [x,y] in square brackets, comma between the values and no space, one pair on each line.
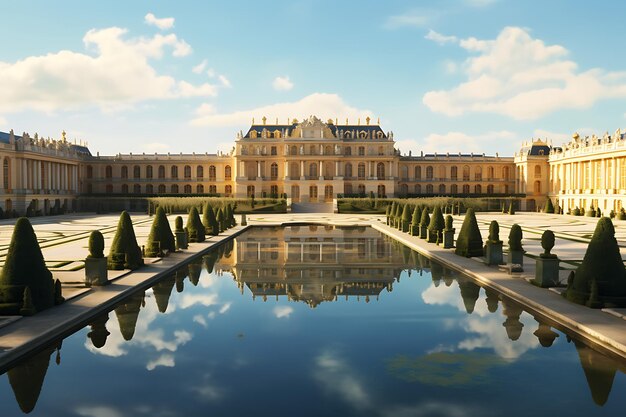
[315,321]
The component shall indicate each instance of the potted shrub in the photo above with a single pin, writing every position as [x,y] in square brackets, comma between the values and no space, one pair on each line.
[414,227]
[181,234]
[161,238]
[406,218]
[448,233]
[195,226]
[96,272]
[435,227]
[516,252]
[424,222]
[124,252]
[493,247]
[547,265]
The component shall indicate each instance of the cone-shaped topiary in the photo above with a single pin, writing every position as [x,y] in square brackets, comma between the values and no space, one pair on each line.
[221,220]
[622,214]
[96,245]
[124,252]
[26,379]
[406,218]
[415,221]
[161,237]
[436,225]
[387,213]
[511,208]
[515,238]
[210,222]
[195,226]
[549,207]
[244,221]
[470,242]
[178,224]
[232,222]
[598,212]
[424,222]
[396,215]
[603,264]
[24,267]
[162,291]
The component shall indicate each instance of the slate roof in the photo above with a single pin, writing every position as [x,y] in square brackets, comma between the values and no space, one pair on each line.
[372,129]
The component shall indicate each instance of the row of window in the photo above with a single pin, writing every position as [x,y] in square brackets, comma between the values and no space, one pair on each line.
[363,134]
[454,172]
[162,189]
[454,189]
[312,150]
[108,172]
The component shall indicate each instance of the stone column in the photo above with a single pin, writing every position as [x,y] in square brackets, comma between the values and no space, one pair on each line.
[321,167]
[302,176]
[336,168]
[258,170]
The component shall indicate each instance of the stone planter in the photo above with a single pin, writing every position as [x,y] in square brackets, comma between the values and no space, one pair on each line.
[448,239]
[547,272]
[181,240]
[432,236]
[414,230]
[516,257]
[423,232]
[96,271]
[493,253]
[405,227]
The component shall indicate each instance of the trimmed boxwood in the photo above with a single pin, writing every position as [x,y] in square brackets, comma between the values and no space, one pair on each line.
[124,252]
[161,236]
[515,238]
[600,280]
[195,226]
[96,245]
[549,207]
[209,221]
[470,241]
[24,268]
[406,218]
[436,225]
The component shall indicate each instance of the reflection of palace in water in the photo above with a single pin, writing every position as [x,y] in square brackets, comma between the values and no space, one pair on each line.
[314,264]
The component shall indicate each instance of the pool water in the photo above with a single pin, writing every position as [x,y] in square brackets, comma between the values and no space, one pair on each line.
[315,321]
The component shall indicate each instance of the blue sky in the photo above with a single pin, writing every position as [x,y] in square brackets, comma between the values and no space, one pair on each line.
[446,76]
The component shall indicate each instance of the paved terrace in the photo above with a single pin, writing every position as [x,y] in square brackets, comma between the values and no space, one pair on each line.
[64,245]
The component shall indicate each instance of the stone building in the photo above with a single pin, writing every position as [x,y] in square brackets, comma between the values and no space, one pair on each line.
[312,161]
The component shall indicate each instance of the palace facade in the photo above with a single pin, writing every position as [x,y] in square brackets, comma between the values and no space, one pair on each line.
[313,161]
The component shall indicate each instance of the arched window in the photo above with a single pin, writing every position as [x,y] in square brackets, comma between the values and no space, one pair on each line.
[347,151]
[404,173]
[136,171]
[361,188]
[490,172]
[466,173]
[429,173]
[274,171]
[478,189]
[161,188]
[212,173]
[294,171]
[429,189]
[187,171]
[361,171]
[505,173]
[187,189]
[418,189]
[227,173]
[312,150]
[442,188]
[89,171]
[149,189]
[454,173]
[124,188]
[174,171]
[108,171]
[537,187]
[250,191]
[274,191]
[161,171]
[347,188]
[199,189]
[465,188]
[537,171]
[136,189]
[361,150]
[418,172]
[478,173]
[124,171]
[313,170]
[228,190]
[490,189]
[174,189]
[149,171]
[348,170]
[380,171]
[199,171]
[454,189]
[381,191]
[109,189]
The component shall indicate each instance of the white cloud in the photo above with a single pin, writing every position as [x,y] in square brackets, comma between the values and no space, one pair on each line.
[334,374]
[163,23]
[188,300]
[282,84]
[412,18]
[323,105]
[521,77]
[198,69]
[115,73]
[225,307]
[282,311]
[455,142]
[97,411]
[166,360]
[439,38]
[450,66]
[198,318]
[224,81]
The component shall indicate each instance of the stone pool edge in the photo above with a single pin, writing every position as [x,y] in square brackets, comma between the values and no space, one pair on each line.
[594,326]
[29,334]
